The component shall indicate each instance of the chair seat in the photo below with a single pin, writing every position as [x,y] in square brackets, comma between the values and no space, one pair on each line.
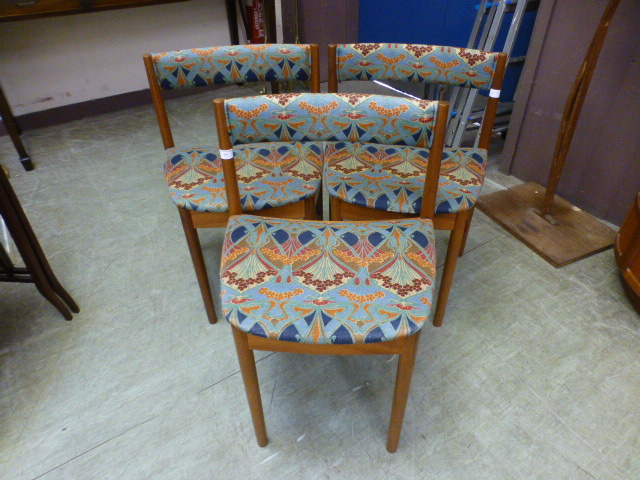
[327,282]
[391,177]
[269,175]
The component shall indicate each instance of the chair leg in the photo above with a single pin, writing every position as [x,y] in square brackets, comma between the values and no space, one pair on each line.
[401,392]
[319,206]
[453,251]
[310,208]
[336,211]
[251,386]
[466,232]
[47,292]
[198,263]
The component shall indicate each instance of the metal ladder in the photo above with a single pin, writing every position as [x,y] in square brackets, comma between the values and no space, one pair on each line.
[483,37]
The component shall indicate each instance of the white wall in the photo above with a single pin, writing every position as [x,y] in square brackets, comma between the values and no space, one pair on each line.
[51,62]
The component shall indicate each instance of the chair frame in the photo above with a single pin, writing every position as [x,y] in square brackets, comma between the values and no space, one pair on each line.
[192,220]
[457,223]
[406,347]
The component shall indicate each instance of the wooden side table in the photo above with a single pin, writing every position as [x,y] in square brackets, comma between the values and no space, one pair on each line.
[627,251]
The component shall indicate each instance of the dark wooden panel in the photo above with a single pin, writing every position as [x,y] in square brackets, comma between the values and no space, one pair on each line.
[330,21]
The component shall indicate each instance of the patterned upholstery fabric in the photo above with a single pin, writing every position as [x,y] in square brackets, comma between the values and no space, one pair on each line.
[332,117]
[391,178]
[416,63]
[269,175]
[327,282]
[198,67]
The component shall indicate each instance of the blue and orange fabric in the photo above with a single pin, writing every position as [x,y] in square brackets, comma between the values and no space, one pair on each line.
[281,143]
[386,177]
[416,63]
[327,282]
[269,175]
[331,117]
[199,67]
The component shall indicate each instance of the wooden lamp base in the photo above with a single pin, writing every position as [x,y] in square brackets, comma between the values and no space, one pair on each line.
[565,236]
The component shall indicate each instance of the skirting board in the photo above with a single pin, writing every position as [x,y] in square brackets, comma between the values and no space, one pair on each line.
[565,236]
[99,106]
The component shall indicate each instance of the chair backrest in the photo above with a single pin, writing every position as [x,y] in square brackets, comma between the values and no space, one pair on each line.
[332,117]
[454,66]
[227,65]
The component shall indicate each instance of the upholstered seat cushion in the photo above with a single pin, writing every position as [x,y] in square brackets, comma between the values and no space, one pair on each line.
[327,282]
[391,177]
[269,175]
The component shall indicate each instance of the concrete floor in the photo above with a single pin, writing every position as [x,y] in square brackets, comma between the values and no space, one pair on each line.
[535,373]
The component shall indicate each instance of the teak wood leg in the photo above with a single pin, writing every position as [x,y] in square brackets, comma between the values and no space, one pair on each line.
[195,250]
[404,376]
[310,208]
[319,206]
[466,232]
[252,388]
[453,251]
[336,213]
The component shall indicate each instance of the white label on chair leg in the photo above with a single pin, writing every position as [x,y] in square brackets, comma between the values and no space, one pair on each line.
[226,154]
[493,93]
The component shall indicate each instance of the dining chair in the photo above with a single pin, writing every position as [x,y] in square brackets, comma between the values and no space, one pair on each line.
[380,183]
[194,172]
[323,287]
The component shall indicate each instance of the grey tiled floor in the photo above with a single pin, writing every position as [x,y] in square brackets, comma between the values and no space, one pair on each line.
[535,373]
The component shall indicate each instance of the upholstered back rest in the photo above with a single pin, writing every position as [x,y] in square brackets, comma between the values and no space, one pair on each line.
[199,67]
[331,117]
[416,63]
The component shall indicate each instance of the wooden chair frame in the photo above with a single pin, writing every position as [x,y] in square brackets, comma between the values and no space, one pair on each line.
[457,223]
[406,347]
[191,220]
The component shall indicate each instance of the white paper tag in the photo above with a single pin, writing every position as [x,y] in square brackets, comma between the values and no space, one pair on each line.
[493,93]
[226,154]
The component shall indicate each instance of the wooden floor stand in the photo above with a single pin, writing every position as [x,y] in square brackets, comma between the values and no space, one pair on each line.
[13,130]
[564,236]
[37,271]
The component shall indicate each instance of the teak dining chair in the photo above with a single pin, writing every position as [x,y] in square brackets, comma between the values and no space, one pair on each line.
[336,288]
[381,183]
[194,173]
